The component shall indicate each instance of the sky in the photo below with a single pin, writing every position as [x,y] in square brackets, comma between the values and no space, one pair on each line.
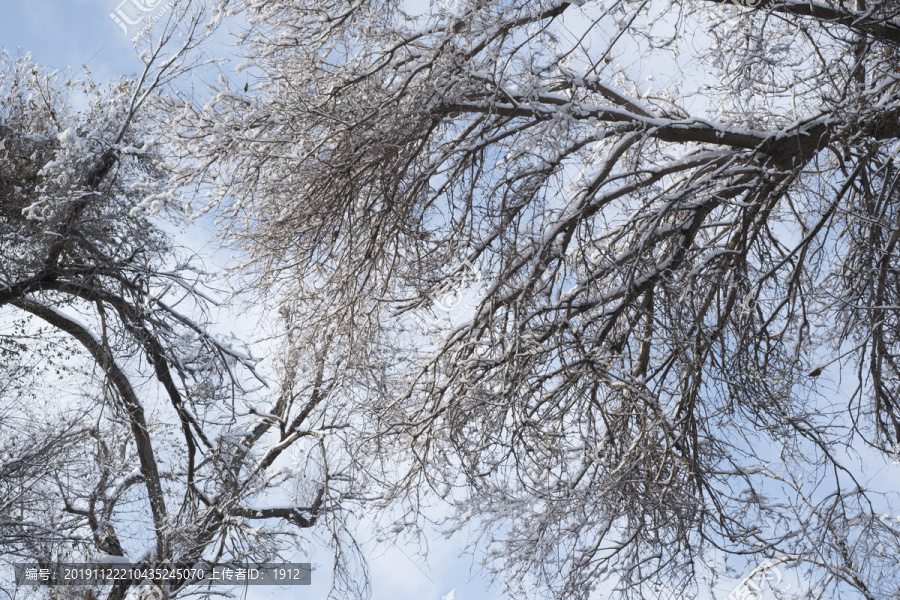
[77,33]
[81,34]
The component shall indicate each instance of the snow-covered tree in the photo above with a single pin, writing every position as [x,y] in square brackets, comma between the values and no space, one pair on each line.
[664,278]
[128,429]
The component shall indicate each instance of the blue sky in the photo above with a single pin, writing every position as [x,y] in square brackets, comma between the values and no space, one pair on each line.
[69,33]
[72,33]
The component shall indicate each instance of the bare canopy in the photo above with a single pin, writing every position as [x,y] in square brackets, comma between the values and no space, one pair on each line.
[667,280]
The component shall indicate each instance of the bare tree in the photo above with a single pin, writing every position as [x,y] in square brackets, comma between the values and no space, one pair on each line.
[163,444]
[667,277]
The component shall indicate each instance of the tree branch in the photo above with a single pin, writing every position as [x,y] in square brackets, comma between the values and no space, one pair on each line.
[133,407]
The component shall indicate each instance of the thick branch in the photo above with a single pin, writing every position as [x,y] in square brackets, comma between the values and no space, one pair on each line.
[788,147]
[132,404]
[290,514]
[882,30]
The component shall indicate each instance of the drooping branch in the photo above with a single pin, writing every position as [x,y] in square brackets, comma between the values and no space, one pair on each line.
[133,407]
